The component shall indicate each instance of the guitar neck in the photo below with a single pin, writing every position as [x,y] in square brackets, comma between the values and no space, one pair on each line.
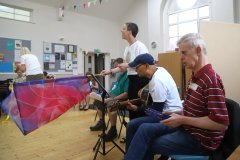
[133,101]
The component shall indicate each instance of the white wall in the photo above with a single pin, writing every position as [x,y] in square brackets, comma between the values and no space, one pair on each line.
[154,26]
[86,32]
[223,47]
[138,13]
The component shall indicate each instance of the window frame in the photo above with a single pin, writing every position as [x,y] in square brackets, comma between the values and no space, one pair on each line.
[166,25]
[15,15]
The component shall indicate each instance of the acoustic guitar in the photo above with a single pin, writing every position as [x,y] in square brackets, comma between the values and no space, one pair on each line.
[144,100]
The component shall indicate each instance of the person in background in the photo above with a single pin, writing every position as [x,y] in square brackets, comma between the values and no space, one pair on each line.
[84,105]
[30,65]
[19,79]
[119,93]
[48,76]
[135,48]
[20,75]
[200,128]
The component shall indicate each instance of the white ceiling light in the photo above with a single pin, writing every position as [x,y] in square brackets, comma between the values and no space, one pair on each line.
[185,4]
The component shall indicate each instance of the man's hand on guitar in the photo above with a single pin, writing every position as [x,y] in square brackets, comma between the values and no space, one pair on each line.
[107,100]
[132,107]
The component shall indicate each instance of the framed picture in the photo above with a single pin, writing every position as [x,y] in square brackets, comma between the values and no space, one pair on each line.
[70,48]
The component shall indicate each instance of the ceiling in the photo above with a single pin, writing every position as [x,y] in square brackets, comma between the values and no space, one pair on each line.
[113,10]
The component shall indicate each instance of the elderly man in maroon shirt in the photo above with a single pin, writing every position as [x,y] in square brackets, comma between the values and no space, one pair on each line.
[202,124]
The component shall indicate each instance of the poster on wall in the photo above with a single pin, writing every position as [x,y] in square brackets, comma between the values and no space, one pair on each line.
[63,65]
[70,48]
[17,56]
[68,65]
[18,44]
[59,48]
[10,44]
[47,47]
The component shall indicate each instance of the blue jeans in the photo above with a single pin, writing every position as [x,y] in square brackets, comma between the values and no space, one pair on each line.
[156,138]
[133,125]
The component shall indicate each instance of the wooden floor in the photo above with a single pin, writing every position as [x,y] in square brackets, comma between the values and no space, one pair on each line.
[66,138]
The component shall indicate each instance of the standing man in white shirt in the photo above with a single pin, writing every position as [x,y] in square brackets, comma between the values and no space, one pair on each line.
[135,48]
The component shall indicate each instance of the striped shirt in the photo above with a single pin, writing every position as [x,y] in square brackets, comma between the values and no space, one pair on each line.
[205,96]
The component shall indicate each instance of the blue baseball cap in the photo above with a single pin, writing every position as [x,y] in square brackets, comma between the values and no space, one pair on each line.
[142,59]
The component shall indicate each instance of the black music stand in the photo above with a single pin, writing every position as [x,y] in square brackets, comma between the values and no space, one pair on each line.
[101,139]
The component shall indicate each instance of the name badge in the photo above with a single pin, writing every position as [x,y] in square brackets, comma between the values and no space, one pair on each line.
[193,86]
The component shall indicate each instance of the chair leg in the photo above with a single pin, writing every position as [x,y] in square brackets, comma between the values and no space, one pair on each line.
[95,116]
[122,121]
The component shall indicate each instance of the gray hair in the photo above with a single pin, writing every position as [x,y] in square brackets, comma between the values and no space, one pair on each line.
[24,50]
[193,40]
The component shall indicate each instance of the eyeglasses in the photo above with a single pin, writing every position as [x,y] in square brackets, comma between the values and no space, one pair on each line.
[138,66]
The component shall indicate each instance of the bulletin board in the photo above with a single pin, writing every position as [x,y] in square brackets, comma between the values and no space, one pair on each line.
[10,52]
[59,57]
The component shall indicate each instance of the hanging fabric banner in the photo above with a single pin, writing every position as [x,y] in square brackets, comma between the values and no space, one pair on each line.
[36,103]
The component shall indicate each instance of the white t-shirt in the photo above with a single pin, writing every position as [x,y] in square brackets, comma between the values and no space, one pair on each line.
[131,52]
[33,66]
[163,88]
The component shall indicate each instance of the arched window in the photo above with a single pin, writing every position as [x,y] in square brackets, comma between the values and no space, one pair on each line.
[183,16]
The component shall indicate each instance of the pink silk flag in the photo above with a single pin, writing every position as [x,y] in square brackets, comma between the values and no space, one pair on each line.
[36,103]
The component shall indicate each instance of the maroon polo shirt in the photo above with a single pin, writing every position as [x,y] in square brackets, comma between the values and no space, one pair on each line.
[205,96]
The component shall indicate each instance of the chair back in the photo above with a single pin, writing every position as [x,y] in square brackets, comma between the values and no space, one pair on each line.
[231,139]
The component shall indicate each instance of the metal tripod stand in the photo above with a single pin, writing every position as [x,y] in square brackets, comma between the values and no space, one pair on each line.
[101,140]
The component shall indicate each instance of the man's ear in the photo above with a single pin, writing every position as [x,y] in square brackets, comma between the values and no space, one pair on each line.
[199,50]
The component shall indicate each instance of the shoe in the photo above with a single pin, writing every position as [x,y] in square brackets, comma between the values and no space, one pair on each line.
[81,107]
[111,135]
[86,107]
[98,127]
[123,140]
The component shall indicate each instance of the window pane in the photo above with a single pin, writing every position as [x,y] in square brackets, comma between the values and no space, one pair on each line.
[6,9]
[189,27]
[173,31]
[22,18]
[188,15]
[173,43]
[22,12]
[172,18]
[185,4]
[6,15]
[204,12]
[205,19]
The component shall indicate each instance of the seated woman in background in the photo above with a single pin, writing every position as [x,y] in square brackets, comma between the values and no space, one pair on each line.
[94,86]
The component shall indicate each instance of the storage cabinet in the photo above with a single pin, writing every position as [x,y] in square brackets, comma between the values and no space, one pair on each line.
[172,63]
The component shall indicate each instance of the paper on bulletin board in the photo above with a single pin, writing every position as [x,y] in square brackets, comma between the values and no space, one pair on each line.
[18,44]
[59,48]
[68,65]
[62,64]
[47,47]
[75,71]
[10,44]
[17,55]
[52,58]
[51,65]
[69,56]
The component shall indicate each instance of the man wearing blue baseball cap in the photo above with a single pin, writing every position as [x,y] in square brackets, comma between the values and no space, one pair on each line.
[162,89]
